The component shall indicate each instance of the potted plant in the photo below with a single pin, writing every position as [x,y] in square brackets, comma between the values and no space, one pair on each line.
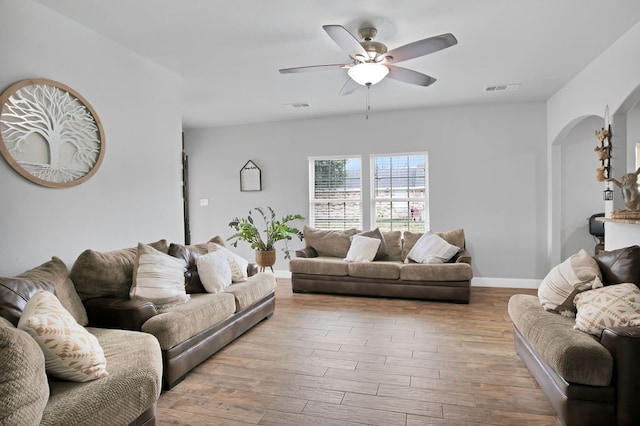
[262,241]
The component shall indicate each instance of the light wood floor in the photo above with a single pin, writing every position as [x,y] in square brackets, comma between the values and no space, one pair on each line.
[338,360]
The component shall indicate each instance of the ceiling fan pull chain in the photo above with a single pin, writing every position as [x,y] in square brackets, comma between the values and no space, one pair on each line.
[368,106]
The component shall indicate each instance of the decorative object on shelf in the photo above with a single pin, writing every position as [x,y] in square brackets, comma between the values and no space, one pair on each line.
[628,185]
[603,151]
[250,177]
[49,133]
[263,241]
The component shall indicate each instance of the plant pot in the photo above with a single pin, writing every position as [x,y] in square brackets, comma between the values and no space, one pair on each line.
[265,259]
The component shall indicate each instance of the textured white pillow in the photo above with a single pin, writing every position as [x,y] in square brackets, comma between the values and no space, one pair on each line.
[431,248]
[158,278]
[576,274]
[362,249]
[70,351]
[612,306]
[214,271]
[238,264]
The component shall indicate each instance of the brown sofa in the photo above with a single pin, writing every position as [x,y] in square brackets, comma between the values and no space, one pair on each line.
[589,380]
[188,333]
[28,396]
[320,268]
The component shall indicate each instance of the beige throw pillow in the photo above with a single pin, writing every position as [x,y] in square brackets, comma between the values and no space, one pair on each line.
[70,351]
[612,306]
[578,273]
[214,271]
[431,248]
[327,242]
[238,264]
[362,249]
[158,278]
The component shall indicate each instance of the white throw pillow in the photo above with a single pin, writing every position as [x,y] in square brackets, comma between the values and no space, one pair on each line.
[612,306]
[576,274]
[214,271]
[431,248]
[238,264]
[158,278]
[362,249]
[70,351]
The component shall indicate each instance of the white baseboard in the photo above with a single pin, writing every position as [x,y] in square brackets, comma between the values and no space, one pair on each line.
[475,282]
[505,282]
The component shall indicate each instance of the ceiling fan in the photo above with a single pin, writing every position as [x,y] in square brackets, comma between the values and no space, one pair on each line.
[371,61]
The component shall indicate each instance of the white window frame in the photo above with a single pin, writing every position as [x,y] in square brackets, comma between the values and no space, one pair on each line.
[372,196]
[312,183]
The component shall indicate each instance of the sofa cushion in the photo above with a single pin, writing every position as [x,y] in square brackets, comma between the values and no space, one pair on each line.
[611,306]
[620,266]
[577,357]
[393,241]
[383,252]
[214,271]
[158,277]
[319,266]
[380,269]
[249,292]
[24,390]
[328,243]
[107,274]
[189,256]
[51,276]
[133,385]
[70,351]
[577,273]
[362,249]
[431,248]
[436,272]
[178,323]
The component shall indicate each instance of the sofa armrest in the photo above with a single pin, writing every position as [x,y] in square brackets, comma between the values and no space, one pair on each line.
[624,345]
[307,252]
[252,269]
[463,256]
[124,314]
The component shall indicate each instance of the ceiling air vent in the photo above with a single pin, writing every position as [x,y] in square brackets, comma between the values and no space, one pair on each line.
[296,105]
[502,87]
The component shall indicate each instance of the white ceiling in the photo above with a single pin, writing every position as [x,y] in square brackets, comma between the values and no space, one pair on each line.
[228,52]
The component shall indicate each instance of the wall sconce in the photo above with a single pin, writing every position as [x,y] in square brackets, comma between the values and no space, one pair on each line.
[607,194]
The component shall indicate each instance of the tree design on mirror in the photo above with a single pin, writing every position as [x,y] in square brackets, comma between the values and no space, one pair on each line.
[50,134]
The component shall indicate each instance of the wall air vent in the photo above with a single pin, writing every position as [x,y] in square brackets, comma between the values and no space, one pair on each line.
[296,105]
[502,87]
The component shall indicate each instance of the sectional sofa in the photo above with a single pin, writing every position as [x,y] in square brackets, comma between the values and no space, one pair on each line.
[586,363]
[146,346]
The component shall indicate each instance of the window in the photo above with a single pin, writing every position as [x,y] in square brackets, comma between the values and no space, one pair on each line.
[335,193]
[399,192]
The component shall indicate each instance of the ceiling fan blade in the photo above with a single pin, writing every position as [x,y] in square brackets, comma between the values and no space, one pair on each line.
[311,68]
[349,87]
[409,76]
[421,48]
[345,40]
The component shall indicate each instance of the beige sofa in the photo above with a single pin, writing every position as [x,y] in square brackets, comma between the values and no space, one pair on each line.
[28,396]
[320,268]
[188,333]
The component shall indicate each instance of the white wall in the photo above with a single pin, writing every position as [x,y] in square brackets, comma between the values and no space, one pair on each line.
[612,79]
[487,174]
[581,192]
[136,193]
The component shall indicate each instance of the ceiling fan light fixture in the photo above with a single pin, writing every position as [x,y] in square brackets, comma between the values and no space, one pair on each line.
[368,74]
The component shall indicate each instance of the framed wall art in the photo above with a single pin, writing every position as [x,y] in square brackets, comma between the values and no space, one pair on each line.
[49,133]
[250,177]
